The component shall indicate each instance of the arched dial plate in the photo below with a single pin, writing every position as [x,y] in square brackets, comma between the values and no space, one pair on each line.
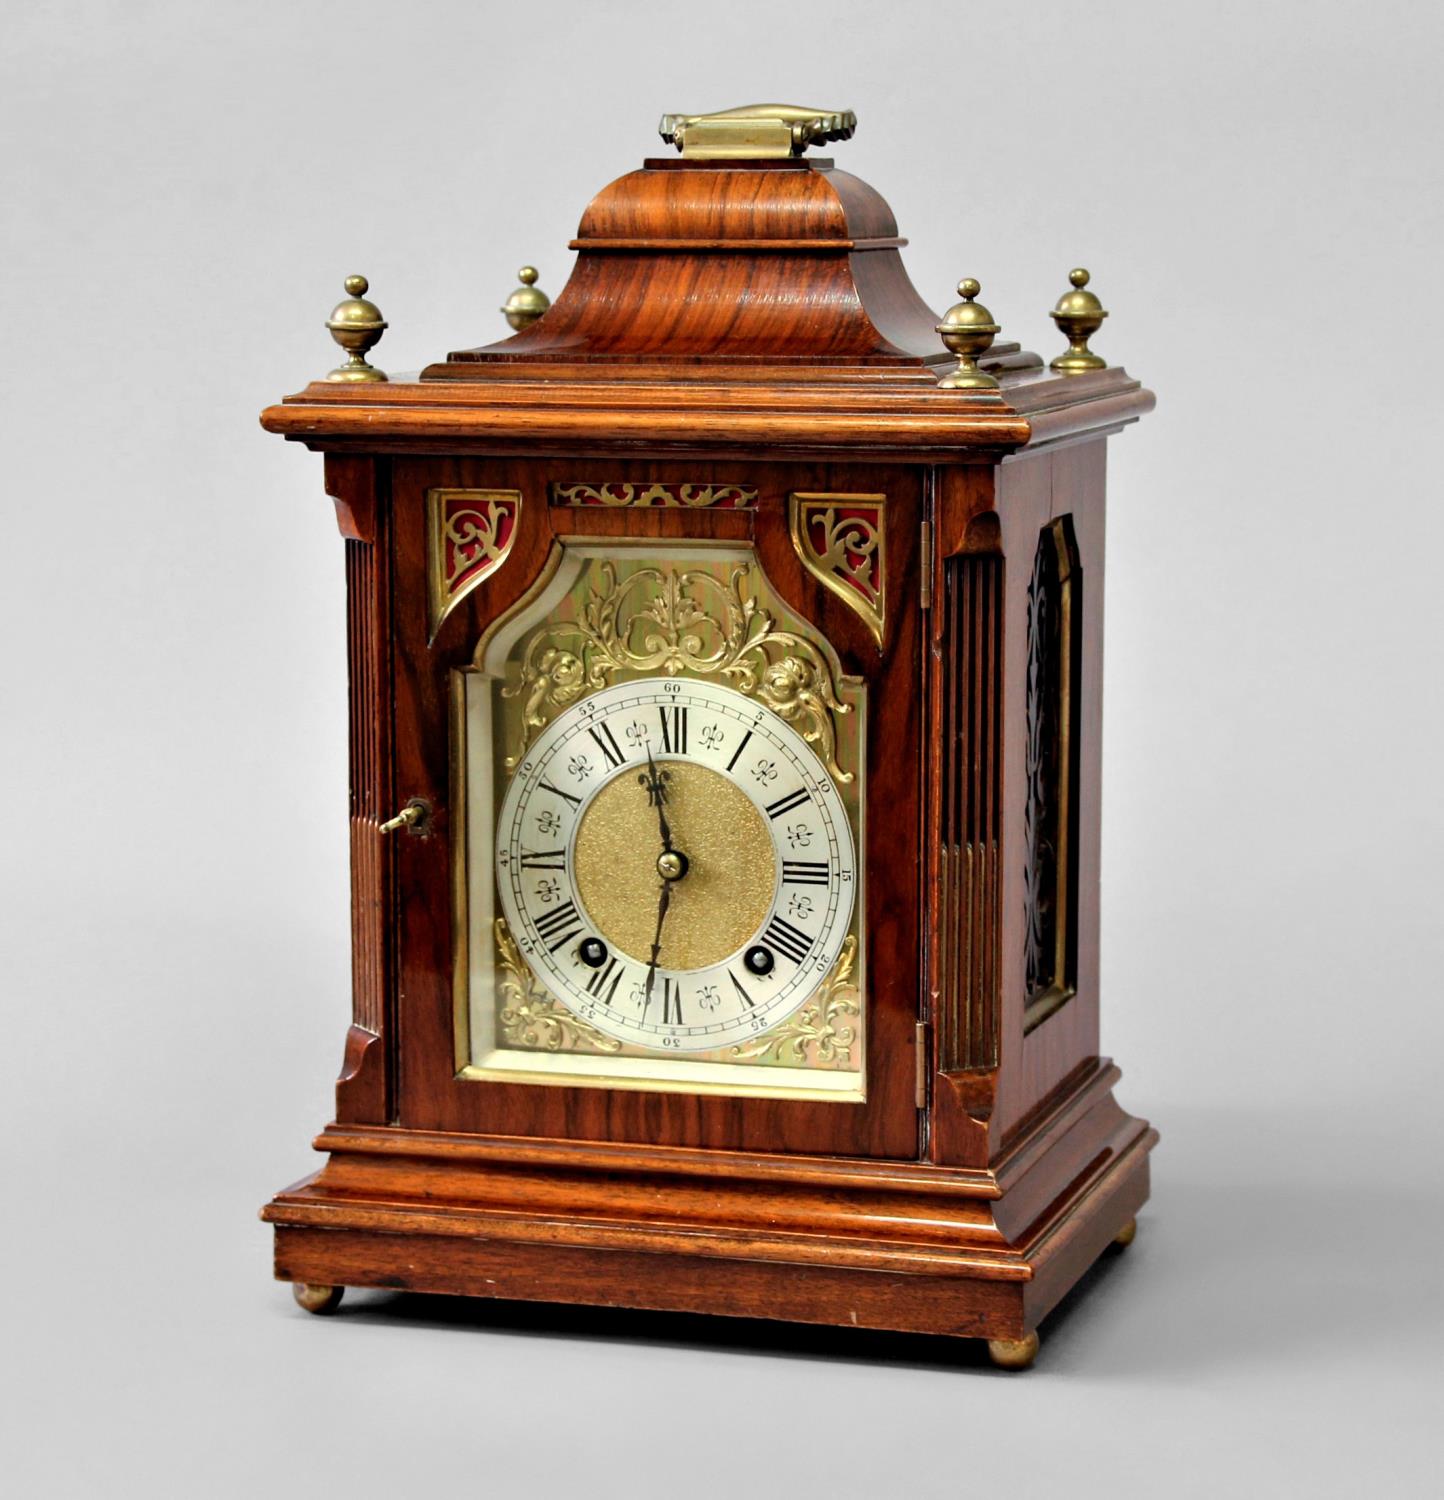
[675,864]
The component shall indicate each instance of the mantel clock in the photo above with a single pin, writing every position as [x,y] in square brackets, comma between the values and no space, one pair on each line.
[725,656]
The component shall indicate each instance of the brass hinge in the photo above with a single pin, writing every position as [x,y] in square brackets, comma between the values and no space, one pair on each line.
[920,1064]
[925,593]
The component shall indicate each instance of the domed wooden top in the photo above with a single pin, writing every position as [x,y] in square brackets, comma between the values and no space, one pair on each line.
[778,268]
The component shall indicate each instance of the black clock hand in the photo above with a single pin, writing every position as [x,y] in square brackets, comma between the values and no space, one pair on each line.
[658,794]
[662,906]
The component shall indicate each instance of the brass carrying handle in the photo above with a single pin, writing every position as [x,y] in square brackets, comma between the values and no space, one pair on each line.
[756,130]
[414,817]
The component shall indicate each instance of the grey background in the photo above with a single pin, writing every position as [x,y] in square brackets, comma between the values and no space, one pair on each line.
[1256,190]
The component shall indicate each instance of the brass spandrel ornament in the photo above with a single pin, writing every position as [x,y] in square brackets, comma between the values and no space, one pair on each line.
[529,1017]
[724,797]
[824,1030]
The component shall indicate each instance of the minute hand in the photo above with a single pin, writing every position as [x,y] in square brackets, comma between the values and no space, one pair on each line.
[659,796]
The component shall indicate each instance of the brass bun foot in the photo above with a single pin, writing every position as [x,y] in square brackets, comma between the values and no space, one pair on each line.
[1014,1354]
[1125,1236]
[316,1298]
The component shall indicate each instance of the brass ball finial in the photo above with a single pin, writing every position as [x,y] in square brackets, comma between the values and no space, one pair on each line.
[1079,315]
[528,302]
[357,325]
[968,330]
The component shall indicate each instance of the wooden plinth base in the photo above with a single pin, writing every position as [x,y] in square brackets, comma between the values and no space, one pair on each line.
[906,1246]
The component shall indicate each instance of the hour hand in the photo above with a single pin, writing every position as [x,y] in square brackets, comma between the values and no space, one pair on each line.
[662,906]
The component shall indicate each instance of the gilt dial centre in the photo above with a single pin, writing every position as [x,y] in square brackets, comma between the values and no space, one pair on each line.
[729,865]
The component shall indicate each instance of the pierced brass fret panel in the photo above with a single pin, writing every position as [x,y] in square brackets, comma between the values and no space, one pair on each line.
[1050,879]
[468,536]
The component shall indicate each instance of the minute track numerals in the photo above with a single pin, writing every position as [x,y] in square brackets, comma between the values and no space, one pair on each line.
[668,741]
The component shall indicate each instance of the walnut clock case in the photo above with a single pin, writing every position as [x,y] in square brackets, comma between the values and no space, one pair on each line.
[725,665]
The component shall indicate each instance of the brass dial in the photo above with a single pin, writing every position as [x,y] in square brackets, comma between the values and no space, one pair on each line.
[676,864]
